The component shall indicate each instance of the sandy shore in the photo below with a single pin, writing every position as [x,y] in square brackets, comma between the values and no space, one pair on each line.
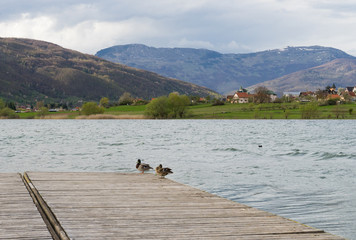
[110,116]
[95,116]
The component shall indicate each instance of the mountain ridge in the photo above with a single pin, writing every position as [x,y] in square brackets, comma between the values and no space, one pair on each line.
[311,79]
[35,70]
[221,72]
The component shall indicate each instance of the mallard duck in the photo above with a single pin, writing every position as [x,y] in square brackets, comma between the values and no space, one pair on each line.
[158,168]
[161,171]
[142,166]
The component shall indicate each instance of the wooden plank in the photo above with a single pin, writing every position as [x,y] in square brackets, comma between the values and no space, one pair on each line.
[143,206]
[19,218]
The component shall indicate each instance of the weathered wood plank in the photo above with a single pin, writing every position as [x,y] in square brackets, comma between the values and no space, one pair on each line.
[19,218]
[135,206]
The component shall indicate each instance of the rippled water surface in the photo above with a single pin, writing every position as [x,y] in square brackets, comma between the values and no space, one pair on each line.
[305,170]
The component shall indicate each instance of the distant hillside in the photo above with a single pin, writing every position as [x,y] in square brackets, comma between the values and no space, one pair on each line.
[33,70]
[221,72]
[342,72]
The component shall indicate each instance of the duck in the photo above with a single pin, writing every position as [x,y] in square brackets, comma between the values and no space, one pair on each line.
[161,171]
[142,166]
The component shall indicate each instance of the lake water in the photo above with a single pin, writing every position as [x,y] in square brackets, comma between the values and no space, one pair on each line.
[305,170]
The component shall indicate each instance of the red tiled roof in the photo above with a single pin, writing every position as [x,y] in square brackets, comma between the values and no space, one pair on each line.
[307,93]
[334,96]
[243,95]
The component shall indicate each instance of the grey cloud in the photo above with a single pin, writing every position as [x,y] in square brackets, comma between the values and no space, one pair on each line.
[224,25]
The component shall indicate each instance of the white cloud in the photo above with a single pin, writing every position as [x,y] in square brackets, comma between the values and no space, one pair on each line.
[103,34]
[27,27]
[224,25]
[233,47]
[86,36]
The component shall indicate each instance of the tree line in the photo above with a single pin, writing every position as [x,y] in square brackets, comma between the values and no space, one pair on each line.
[172,106]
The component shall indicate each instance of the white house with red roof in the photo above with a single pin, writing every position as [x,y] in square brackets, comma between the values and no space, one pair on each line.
[241,97]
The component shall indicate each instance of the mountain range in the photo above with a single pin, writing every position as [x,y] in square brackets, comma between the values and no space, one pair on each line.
[339,71]
[32,70]
[287,69]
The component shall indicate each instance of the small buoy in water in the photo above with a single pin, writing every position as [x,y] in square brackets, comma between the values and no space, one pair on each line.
[259,145]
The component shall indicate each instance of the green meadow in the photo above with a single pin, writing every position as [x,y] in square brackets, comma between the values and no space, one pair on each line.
[227,111]
[270,111]
[251,111]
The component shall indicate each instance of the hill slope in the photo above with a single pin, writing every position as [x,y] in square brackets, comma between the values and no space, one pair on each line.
[342,72]
[35,70]
[221,72]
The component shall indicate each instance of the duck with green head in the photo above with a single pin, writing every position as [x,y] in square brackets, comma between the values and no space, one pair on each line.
[142,166]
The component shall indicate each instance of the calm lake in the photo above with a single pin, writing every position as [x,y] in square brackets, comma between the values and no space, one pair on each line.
[305,169]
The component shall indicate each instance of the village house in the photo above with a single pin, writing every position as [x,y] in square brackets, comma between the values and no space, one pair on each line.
[351,94]
[272,96]
[241,97]
[332,90]
[229,98]
[291,95]
[307,94]
[333,96]
[350,89]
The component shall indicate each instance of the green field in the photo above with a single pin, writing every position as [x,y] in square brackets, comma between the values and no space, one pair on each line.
[251,111]
[126,109]
[227,111]
[270,111]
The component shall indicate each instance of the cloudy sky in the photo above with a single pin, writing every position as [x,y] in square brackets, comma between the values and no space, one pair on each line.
[228,26]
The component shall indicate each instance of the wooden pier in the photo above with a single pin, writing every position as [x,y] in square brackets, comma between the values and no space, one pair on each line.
[19,217]
[143,206]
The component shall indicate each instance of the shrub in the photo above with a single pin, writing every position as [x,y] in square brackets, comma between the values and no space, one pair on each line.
[8,113]
[278,100]
[177,104]
[173,106]
[2,104]
[218,102]
[92,108]
[158,108]
[332,101]
[139,102]
[43,111]
[104,102]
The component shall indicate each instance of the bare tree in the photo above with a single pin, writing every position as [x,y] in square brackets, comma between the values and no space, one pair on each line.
[339,111]
[310,110]
[262,95]
[125,99]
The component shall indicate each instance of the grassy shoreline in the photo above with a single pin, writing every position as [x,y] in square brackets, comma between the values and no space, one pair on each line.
[227,111]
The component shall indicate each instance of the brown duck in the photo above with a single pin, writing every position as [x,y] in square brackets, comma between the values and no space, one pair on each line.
[161,171]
